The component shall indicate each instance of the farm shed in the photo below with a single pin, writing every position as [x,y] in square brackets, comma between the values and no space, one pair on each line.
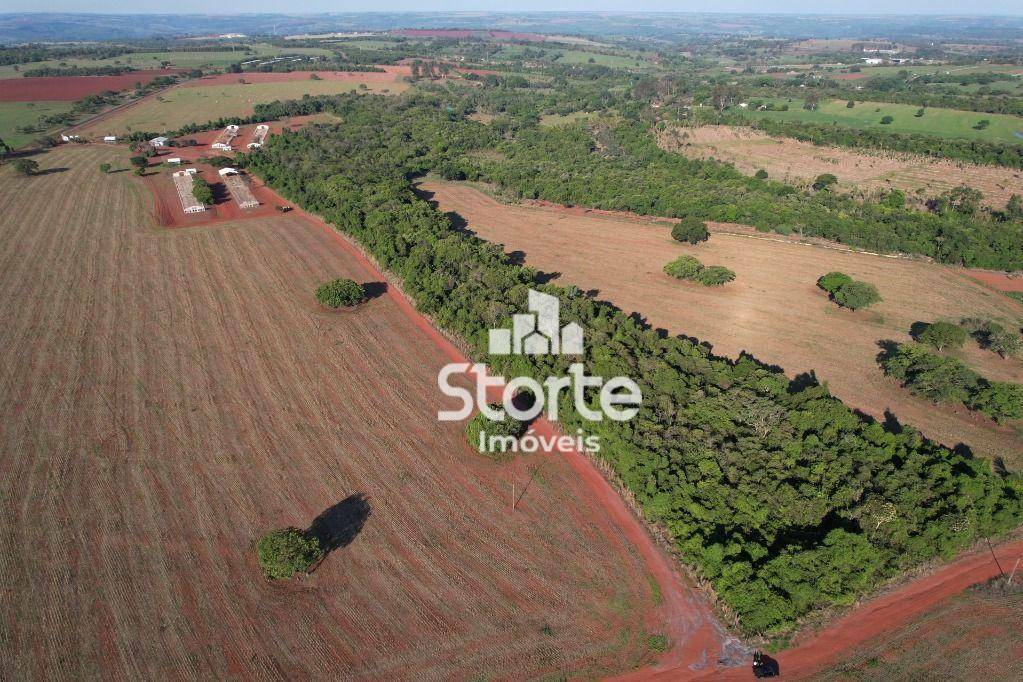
[158,142]
[259,136]
[224,139]
[183,181]
[239,189]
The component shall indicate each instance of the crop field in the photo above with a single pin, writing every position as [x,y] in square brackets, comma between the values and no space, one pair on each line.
[975,635]
[773,310]
[860,173]
[71,88]
[181,105]
[949,123]
[169,395]
[14,115]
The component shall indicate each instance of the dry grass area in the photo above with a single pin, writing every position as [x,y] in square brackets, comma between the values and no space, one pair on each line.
[861,173]
[977,635]
[169,395]
[773,310]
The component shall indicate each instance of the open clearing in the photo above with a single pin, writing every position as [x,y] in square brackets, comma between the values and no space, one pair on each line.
[798,163]
[168,395]
[951,123]
[185,104]
[773,310]
[14,115]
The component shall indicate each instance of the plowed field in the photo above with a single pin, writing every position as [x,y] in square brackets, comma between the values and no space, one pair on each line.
[169,395]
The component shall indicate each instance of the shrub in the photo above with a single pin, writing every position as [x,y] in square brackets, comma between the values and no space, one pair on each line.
[481,424]
[287,551]
[832,281]
[340,292]
[691,231]
[715,275]
[104,168]
[942,335]
[886,120]
[760,174]
[824,181]
[1004,342]
[684,267]
[26,166]
[855,295]
[850,104]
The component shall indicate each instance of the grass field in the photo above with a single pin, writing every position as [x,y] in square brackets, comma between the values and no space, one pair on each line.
[570,56]
[951,123]
[13,115]
[860,173]
[773,310]
[977,635]
[184,60]
[170,395]
[180,105]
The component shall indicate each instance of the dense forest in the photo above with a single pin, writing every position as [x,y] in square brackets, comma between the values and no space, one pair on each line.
[773,489]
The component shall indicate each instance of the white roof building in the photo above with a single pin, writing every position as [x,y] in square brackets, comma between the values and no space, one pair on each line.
[110,138]
[158,141]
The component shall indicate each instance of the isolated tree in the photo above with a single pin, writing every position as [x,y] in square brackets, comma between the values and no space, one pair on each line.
[684,267]
[104,168]
[942,335]
[26,166]
[481,424]
[850,104]
[715,275]
[887,120]
[284,552]
[340,292]
[856,295]
[201,190]
[824,181]
[690,231]
[832,281]
[139,161]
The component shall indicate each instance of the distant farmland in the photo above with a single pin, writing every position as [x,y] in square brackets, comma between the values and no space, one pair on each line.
[950,123]
[181,105]
[170,395]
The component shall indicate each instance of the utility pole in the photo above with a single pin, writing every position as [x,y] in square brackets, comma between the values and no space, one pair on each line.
[991,549]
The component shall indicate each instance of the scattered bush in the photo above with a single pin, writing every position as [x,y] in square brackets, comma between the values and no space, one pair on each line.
[760,174]
[684,267]
[26,166]
[847,292]
[287,551]
[340,292]
[715,275]
[824,181]
[887,120]
[104,168]
[942,335]
[690,231]
[482,426]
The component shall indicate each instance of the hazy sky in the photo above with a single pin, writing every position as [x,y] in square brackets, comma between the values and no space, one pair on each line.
[1014,7]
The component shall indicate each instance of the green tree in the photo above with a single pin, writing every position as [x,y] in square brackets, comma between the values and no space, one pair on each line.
[340,292]
[856,295]
[481,426]
[761,174]
[104,168]
[684,267]
[1014,207]
[942,335]
[1000,400]
[887,120]
[201,190]
[1004,342]
[932,376]
[690,230]
[284,552]
[832,281]
[139,161]
[26,166]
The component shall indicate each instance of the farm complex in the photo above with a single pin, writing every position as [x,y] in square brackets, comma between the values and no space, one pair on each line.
[511,345]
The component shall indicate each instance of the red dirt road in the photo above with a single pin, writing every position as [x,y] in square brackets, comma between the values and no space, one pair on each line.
[71,88]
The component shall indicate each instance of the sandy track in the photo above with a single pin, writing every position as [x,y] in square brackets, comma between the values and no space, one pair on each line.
[799,163]
[169,395]
[773,309]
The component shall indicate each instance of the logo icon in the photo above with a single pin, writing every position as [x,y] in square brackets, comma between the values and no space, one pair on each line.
[538,332]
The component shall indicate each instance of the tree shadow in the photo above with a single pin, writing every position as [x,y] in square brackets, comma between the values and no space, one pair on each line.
[338,525]
[374,289]
[918,328]
[220,193]
[888,349]
[48,171]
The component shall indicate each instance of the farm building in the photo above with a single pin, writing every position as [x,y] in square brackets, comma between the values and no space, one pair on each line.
[259,136]
[110,138]
[158,142]
[65,137]
[224,139]
[174,161]
[183,180]
[239,189]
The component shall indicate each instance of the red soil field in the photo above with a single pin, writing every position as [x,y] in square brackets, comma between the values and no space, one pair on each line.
[169,395]
[998,280]
[390,73]
[773,310]
[70,88]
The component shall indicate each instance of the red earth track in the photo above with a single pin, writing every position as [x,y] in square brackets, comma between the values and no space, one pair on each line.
[71,88]
[688,621]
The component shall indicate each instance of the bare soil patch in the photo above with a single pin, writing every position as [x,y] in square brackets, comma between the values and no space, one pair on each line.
[71,88]
[170,395]
[798,163]
[773,310]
